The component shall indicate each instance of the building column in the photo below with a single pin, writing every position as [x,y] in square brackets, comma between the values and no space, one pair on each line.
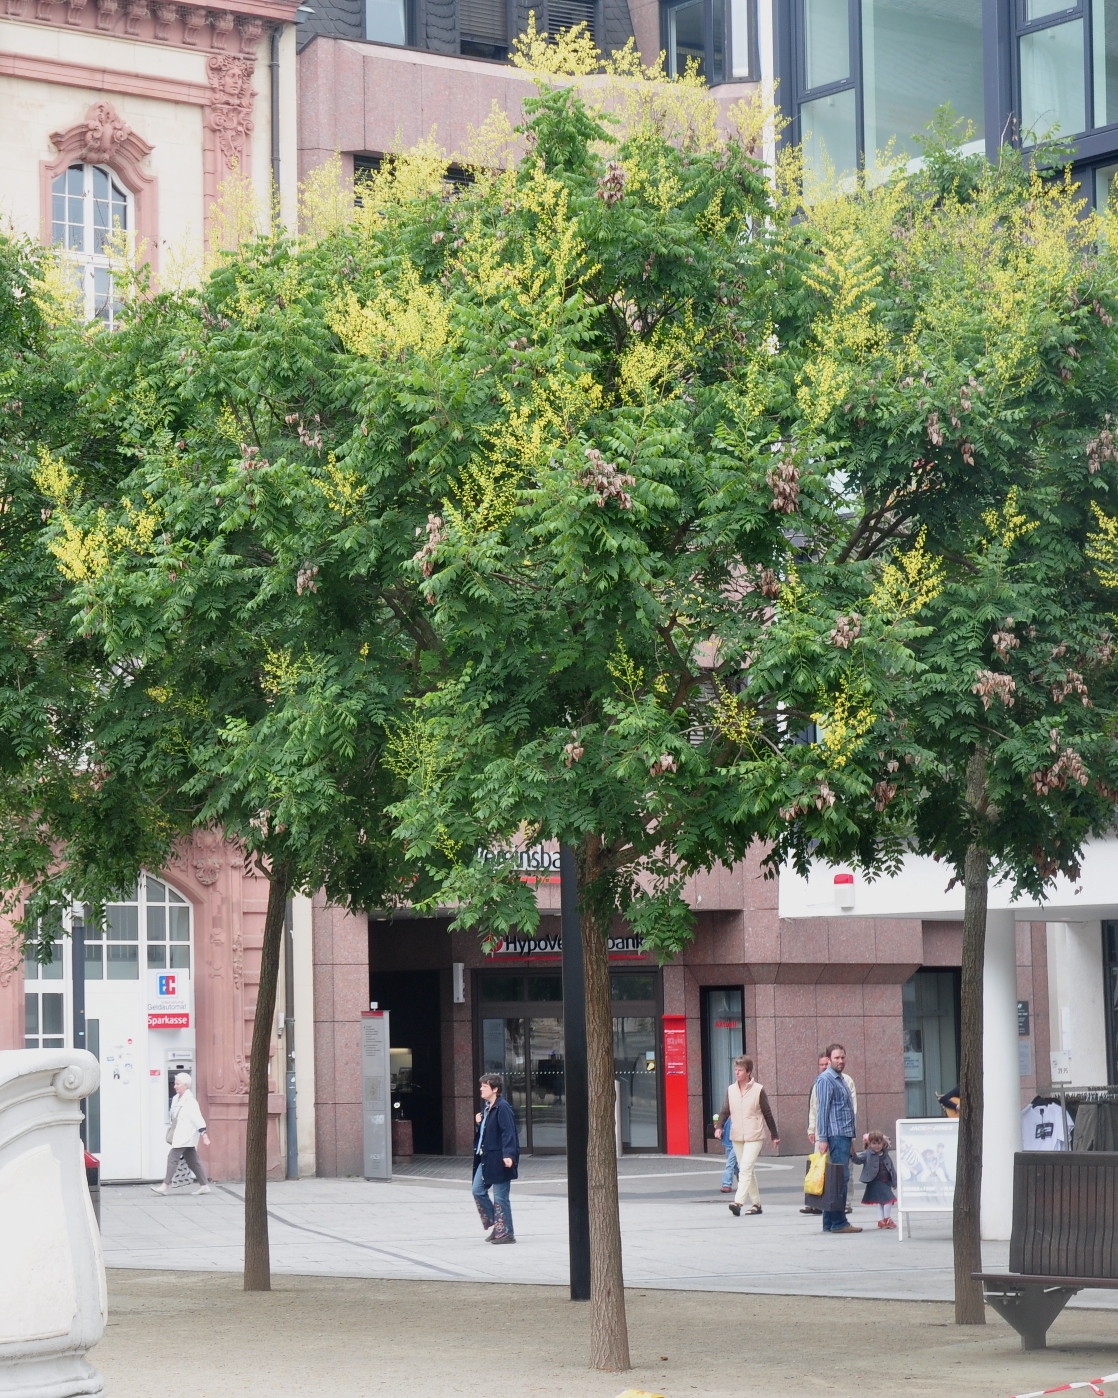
[1001,1075]
[303,947]
[1077,1000]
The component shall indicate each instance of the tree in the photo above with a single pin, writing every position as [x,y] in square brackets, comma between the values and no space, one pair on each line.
[592,385]
[74,824]
[960,373]
[226,574]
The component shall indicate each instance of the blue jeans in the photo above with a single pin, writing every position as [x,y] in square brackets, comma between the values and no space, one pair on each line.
[495,1213]
[838,1151]
[730,1172]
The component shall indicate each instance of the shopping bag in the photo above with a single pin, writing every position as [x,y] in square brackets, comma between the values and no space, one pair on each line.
[816,1173]
[834,1189]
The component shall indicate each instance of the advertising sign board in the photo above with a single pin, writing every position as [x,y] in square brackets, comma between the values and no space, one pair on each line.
[926,1152]
[169,999]
[376,1094]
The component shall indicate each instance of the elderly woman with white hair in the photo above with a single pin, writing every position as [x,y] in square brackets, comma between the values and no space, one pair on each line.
[186,1129]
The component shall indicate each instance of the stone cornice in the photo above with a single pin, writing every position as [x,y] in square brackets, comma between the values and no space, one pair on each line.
[230,28]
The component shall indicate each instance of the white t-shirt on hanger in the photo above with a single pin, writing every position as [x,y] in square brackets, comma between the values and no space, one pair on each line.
[1042,1128]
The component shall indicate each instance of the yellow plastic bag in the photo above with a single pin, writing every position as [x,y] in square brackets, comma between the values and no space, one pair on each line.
[816,1173]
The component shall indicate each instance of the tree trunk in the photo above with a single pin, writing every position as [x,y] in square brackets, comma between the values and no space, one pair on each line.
[970,1309]
[609,1332]
[258,1264]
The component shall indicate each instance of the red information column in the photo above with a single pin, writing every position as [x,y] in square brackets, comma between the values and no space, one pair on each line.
[675,1084]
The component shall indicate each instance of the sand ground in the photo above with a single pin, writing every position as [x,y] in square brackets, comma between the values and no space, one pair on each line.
[347,1337]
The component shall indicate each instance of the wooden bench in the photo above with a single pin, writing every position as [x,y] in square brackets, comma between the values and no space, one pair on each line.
[1064,1240]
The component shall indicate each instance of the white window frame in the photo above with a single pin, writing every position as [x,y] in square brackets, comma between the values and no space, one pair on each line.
[84,259]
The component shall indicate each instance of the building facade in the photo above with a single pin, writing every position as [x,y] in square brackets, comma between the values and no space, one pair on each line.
[128,115]
[125,119]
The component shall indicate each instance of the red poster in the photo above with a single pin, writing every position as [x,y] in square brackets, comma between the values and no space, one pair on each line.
[169,1021]
[675,1084]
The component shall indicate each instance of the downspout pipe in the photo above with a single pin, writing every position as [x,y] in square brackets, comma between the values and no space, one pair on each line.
[274,74]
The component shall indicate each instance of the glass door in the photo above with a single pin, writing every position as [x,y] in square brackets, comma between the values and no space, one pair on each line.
[723,1041]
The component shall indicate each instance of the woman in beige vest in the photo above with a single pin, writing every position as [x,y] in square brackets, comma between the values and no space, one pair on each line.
[748,1110]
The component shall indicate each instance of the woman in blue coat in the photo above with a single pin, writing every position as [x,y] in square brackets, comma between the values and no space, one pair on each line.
[496,1153]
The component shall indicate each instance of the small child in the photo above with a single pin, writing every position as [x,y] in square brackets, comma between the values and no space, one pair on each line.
[879,1175]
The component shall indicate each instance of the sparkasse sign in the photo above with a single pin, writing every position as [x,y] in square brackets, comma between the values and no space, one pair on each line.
[169,999]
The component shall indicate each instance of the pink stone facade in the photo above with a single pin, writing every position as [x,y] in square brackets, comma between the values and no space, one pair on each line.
[341,993]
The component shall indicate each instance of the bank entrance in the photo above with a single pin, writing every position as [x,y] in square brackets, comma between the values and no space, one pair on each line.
[518,1032]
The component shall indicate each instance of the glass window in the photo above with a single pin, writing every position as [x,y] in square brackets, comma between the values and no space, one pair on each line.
[1052,80]
[1041,9]
[826,42]
[687,37]
[31,1019]
[386,21]
[639,985]
[1104,40]
[918,55]
[743,41]
[502,988]
[1104,187]
[90,214]
[545,987]
[635,1070]
[828,136]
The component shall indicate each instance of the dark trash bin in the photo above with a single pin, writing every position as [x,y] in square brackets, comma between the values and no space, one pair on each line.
[93,1180]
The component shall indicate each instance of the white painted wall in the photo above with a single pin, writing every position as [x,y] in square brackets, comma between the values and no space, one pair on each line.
[920,891]
[1001,1075]
[1077,998]
[302,946]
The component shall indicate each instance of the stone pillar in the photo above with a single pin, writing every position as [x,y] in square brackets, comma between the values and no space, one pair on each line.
[1001,1075]
[53,1303]
[11,986]
[1076,999]
[341,993]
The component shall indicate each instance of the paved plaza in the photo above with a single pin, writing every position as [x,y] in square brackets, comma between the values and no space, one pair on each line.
[677,1233]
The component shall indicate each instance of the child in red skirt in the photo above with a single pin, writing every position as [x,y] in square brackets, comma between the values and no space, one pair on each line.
[879,1175]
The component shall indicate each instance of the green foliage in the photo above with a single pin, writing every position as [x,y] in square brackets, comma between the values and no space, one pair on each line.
[960,372]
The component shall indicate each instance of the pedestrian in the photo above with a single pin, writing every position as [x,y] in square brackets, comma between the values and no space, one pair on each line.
[879,1175]
[497,1154]
[813,1107]
[834,1135]
[811,1201]
[747,1108]
[187,1127]
[730,1173]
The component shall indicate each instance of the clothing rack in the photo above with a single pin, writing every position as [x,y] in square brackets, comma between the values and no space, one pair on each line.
[1079,1095]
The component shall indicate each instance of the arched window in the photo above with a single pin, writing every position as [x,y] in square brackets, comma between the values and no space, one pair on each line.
[91,212]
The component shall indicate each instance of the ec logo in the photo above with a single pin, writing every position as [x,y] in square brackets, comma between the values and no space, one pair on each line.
[166,985]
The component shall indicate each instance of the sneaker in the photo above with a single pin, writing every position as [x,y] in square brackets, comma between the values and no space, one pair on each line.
[735,1209]
[727,1189]
[159,1189]
[846,1228]
[508,1238]
[489,1232]
[202,1189]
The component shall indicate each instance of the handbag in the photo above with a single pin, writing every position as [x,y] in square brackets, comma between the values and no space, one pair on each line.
[816,1173]
[170,1133]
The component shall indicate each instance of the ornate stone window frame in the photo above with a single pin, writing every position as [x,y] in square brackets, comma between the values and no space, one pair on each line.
[105,138]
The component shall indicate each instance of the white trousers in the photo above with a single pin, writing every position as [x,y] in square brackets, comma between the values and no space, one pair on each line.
[747,1153]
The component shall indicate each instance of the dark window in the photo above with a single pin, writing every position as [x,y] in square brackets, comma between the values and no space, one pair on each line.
[716,37]
[483,28]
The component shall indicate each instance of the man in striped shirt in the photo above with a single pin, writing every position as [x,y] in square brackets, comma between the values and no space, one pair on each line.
[834,1129]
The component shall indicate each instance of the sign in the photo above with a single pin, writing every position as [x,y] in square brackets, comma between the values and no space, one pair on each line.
[913,1066]
[539,864]
[169,999]
[675,1085]
[544,947]
[1023,1018]
[376,1097]
[1061,1065]
[927,1149]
